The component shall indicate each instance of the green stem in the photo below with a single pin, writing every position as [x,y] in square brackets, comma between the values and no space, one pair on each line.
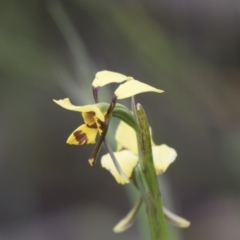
[147,180]
[103,137]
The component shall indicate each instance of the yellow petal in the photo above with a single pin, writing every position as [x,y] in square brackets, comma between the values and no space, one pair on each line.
[105,77]
[134,87]
[163,156]
[129,219]
[89,118]
[175,219]
[127,161]
[126,138]
[83,135]
[65,103]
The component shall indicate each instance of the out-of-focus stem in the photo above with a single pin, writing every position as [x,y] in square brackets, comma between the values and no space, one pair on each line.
[147,179]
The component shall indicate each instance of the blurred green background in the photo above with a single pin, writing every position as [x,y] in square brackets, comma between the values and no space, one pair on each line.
[52,50]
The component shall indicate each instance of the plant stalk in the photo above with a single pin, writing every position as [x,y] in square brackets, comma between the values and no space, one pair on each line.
[146,178]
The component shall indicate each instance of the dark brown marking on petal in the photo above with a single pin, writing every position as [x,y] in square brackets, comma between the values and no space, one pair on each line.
[81,137]
[94,125]
[92,113]
[102,125]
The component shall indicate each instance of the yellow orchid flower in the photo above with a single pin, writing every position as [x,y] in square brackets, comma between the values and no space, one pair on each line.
[130,88]
[125,136]
[163,156]
[94,122]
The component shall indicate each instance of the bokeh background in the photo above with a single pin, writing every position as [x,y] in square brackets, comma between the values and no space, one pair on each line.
[52,50]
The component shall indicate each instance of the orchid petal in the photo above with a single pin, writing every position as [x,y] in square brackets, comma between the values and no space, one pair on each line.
[129,219]
[105,77]
[163,156]
[126,138]
[175,219]
[65,103]
[83,135]
[133,87]
[127,161]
